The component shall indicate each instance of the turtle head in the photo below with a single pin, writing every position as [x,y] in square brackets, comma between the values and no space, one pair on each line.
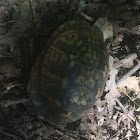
[106,27]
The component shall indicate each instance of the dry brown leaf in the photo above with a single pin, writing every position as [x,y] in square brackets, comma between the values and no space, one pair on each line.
[100,110]
[111,123]
[84,125]
[91,127]
[126,62]
[110,97]
[116,138]
[117,40]
[125,120]
[128,135]
[131,84]
[129,65]
[100,103]
[9,69]
[101,121]
[104,137]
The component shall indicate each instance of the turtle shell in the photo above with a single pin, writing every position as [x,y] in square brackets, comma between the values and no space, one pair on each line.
[70,73]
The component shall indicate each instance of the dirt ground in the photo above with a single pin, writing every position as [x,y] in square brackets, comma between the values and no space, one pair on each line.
[23,26]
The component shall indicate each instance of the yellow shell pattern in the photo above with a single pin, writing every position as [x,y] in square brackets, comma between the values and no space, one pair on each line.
[70,73]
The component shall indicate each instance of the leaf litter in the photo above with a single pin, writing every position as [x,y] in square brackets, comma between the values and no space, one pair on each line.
[112,117]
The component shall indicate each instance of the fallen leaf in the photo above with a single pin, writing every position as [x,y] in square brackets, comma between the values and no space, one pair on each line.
[128,135]
[131,84]
[9,68]
[118,39]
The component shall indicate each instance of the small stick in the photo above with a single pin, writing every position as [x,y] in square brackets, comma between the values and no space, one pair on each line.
[87,16]
[11,21]
[128,74]
[124,110]
[7,103]
[129,58]
[129,31]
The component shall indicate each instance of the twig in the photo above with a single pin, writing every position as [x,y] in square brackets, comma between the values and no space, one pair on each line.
[87,16]
[128,74]
[129,58]
[7,103]
[120,104]
[124,110]
[11,21]
[12,85]
[129,31]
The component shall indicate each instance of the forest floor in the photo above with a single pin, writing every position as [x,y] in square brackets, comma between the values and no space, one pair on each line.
[115,116]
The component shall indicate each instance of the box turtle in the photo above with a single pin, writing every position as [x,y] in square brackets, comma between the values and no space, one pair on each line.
[70,73]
